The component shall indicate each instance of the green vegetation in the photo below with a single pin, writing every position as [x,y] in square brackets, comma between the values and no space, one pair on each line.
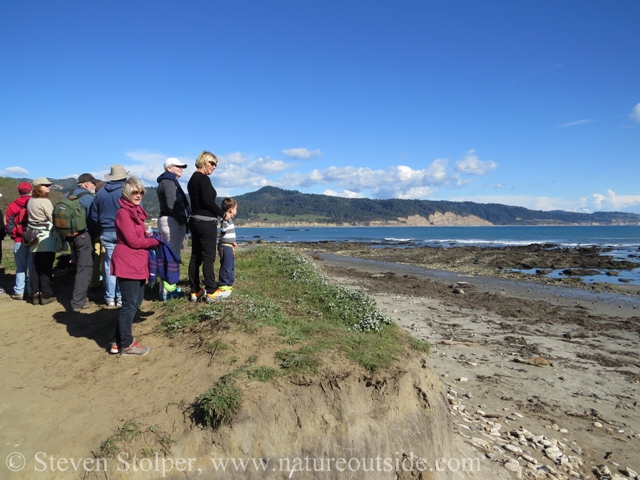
[278,218]
[116,442]
[219,404]
[148,441]
[310,322]
[419,345]
[263,374]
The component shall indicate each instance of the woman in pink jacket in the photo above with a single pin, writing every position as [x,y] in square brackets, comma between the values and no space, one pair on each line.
[130,265]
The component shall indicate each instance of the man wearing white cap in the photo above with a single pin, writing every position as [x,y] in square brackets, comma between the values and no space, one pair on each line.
[174,213]
[174,206]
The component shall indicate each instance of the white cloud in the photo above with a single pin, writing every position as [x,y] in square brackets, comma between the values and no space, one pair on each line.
[578,122]
[343,194]
[399,181]
[267,166]
[237,171]
[14,172]
[472,165]
[302,153]
[635,113]
[610,201]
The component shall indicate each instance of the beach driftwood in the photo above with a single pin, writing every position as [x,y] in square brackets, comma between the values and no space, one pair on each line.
[466,344]
[536,361]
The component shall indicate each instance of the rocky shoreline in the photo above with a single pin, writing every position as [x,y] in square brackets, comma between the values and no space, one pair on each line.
[542,378]
[503,262]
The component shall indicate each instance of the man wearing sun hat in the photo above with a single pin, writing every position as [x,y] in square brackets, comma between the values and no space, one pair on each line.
[103,218]
[16,224]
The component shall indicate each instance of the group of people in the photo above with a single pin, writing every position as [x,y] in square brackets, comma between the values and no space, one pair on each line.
[115,225]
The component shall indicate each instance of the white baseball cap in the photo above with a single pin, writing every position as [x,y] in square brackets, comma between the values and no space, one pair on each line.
[174,162]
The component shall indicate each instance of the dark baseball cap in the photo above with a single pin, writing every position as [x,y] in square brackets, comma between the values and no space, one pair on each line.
[86,177]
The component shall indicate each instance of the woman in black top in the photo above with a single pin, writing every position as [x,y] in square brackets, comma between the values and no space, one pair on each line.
[204,227]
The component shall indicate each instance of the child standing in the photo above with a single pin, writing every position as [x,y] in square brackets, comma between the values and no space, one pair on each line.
[226,245]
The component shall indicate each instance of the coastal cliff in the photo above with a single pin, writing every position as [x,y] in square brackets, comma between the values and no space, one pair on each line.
[437,219]
[349,415]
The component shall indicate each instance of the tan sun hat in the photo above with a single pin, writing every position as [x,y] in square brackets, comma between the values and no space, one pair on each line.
[42,181]
[117,173]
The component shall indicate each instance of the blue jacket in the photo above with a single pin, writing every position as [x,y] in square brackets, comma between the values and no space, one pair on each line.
[104,208]
[85,200]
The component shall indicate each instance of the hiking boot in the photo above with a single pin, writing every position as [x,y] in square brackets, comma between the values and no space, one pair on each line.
[88,304]
[197,296]
[47,301]
[135,349]
[34,298]
[113,348]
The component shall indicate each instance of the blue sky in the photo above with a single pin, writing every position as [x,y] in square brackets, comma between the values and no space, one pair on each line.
[531,103]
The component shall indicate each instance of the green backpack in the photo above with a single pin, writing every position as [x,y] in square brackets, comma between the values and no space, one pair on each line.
[69,217]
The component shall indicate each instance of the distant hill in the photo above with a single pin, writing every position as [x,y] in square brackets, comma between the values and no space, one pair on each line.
[291,205]
[271,205]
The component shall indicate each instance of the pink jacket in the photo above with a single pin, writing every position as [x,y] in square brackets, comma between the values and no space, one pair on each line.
[130,258]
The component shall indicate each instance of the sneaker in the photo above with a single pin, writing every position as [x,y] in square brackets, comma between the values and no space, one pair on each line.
[119,303]
[217,295]
[113,348]
[197,296]
[226,288]
[135,349]
[18,296]
[111,304]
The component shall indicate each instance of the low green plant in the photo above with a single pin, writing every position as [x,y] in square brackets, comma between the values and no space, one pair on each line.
[118,441]
[219,404]
[263,374]
[301,360]
[419,345]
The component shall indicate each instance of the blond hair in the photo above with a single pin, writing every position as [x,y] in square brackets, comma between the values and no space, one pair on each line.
[132,185]
[204,158]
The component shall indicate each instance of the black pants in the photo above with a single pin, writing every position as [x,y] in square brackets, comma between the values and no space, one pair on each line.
[203,252]
[82,247]
[132,296]
[42,273]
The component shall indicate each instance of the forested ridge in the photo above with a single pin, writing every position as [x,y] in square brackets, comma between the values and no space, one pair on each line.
[275,205]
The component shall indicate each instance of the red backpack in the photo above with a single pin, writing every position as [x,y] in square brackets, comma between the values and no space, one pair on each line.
[20,221]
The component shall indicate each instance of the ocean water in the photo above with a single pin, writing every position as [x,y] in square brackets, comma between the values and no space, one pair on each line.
[622,242]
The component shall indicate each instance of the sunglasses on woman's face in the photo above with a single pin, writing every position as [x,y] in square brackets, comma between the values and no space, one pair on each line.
[214,165]
[136,192]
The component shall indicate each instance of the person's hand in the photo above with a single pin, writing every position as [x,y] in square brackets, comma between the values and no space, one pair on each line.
[235,245]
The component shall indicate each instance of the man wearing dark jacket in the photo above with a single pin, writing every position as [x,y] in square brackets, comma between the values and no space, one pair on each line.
[103,219]
[82,245]
[174,206]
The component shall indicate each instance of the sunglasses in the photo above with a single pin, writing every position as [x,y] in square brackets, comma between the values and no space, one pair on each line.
[136,192]
[213,164]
